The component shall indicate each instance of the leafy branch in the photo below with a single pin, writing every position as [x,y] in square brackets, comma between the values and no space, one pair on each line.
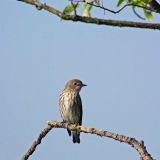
[137,145]
[148,7]
[98,21]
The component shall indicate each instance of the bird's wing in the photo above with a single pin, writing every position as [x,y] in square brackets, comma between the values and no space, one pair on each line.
[80,108]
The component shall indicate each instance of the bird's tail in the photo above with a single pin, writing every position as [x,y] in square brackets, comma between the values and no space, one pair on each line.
[69,132]
[76,136]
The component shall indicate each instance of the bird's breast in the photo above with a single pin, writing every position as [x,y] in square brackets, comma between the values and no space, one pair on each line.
[70,111]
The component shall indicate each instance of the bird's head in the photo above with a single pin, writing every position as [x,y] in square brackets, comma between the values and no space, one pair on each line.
[75,85]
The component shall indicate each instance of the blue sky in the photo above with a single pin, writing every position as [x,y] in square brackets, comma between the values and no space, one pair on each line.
[40,53]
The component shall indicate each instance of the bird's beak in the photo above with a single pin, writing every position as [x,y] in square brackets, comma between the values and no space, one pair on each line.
[83,85]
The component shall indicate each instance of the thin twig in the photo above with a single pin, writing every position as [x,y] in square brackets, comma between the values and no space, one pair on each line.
[126,5]
[122,8]
[74,7]
[139,16]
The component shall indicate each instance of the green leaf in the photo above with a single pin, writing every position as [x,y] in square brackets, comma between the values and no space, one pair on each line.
[136,1]
[148,14]
[70,8]
[120,2]
[89,7]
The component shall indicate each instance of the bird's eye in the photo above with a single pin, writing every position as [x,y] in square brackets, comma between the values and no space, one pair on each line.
[75,83]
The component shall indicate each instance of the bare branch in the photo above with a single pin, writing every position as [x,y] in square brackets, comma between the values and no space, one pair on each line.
[137,145]
[98,21]
[36,143]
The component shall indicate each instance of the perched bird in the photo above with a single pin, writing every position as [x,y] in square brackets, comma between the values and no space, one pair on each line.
[71,106]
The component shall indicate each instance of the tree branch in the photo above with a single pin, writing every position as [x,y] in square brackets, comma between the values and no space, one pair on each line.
[36,143]
[98,21]
[137,145]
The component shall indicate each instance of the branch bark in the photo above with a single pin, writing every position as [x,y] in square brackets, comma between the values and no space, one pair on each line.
[97,21]
[137,145]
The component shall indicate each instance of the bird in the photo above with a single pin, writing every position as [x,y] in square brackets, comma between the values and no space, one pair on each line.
[70,106]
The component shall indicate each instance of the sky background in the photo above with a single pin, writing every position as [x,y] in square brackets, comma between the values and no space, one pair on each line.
[39,54]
